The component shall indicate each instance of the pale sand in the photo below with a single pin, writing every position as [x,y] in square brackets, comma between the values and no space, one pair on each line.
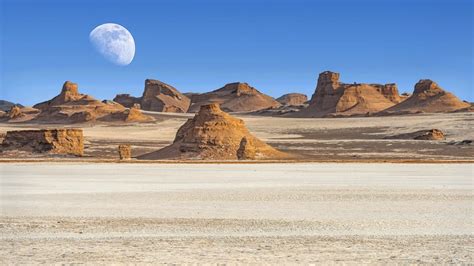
[243,213]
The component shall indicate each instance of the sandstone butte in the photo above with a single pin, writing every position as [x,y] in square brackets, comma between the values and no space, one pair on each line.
[293,99]
[333,98]
[234,97]
[157,96]
[215,135]
[70,106]
[55,141]
[428,97]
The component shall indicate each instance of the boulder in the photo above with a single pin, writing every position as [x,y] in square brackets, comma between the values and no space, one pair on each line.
[428,97]
[234,97]
[57,141]
[215,135]
[125,151]
[430,134]
[293,99]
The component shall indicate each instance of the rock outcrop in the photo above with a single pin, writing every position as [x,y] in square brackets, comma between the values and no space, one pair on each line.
[431,134]
[70,106]
[428,97]
[215,135]
[125,151]
[234,97]
[157,96]
[56,141]
[333,98]
[294,99]
[6,105]
[15,112]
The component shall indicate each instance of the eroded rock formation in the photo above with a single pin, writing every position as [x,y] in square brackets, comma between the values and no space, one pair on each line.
[57,141]
[293,99]
[157,96]
[70,106]
[430,134]
[234,97]
[125,151]
[333,98]
[428,97]
[215,135]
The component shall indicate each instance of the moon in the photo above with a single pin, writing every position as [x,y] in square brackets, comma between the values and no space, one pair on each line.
[114,42]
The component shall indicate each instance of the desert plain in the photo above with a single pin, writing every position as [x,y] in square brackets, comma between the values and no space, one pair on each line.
[349,197]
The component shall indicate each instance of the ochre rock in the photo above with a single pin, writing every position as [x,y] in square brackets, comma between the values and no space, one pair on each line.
[72,107]
[215,135]
[293,99]
[127,100]
[157,96]
[234,97]
[125,151]
[333,98]
[428,97]
[15,112]
[431,134]
[57,141]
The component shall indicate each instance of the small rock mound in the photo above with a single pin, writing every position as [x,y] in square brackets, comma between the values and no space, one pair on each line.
[5,106]
[125,151]
[333,98]
[428,97]
[57,141]
[234,97]
[293,99]
[215,135]
[431,134]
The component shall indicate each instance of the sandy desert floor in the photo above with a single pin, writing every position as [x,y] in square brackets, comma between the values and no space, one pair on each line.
[244,213]
[359,138]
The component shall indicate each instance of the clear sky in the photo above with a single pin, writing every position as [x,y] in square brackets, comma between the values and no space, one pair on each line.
[276,46]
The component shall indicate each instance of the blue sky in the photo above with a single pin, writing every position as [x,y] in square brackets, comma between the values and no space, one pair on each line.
[276,46]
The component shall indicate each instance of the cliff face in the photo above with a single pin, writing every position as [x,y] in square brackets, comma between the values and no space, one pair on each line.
[57,141]
[215,135]
[428,97]
[234,97]
[333,98]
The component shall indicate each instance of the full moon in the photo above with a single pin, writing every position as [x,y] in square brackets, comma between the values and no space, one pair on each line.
[114,42]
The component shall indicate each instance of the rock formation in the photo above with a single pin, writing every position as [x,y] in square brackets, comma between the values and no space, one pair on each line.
[57,141]
[157,96]
[215,135]
[70,106]
[333,98]
[292,99]
[428,97]
[125,151]
[234,97]
[431,134]
[15,112]
[6,105]
[127,100]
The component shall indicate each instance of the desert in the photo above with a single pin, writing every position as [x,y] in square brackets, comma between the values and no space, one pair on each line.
[236,132]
